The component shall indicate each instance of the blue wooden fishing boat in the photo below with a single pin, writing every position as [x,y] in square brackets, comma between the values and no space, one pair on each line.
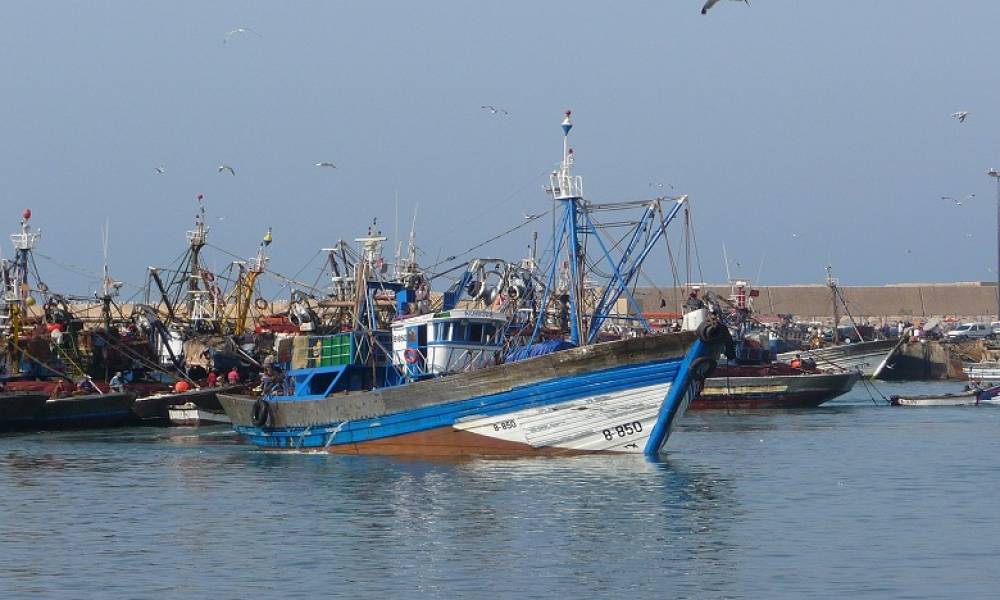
[437,387]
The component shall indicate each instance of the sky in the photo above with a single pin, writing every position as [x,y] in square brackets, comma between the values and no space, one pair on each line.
[804,133]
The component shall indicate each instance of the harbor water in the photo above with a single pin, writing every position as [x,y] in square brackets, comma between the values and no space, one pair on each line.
[847,500]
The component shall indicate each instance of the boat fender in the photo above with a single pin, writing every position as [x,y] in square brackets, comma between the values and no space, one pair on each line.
[410,355]
[261,413]
[711,331]
[701,367]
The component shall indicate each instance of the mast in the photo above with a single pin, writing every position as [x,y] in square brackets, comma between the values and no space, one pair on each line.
[568,189]
[197,238]
[996,176]
[17,296]
[832,284]
[247,281]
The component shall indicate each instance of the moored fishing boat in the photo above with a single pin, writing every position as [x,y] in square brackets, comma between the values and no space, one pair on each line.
[771,386]
[754,379]
[863,357]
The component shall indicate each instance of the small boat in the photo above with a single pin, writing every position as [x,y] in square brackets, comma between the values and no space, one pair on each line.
[982,371]
[973,397]
[19,409]
[190,414]
[158,406]
[89,410]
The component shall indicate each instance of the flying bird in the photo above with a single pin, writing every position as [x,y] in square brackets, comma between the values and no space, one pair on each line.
[494,110]
[955,200]
[529,216]
[239,31]
[161,169]
[960,115]
[227,168]
[326,164]
[710,3]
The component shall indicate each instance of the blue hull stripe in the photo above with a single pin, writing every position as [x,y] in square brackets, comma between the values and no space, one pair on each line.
[545,393]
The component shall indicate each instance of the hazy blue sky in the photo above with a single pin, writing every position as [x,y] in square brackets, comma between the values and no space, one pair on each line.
[829,120]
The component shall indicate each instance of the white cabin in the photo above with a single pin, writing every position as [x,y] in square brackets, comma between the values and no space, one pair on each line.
[447,342]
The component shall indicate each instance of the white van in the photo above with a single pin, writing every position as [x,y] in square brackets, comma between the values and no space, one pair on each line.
[970,331]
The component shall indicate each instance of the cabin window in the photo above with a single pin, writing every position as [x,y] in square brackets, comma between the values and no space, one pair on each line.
[476,333]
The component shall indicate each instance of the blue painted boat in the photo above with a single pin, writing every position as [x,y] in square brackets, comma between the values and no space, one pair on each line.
[620,396]
[446,383]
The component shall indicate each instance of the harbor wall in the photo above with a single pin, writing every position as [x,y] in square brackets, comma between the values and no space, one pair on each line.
[907,302]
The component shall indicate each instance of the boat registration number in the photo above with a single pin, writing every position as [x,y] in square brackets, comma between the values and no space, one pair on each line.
[622,430]
[505,425]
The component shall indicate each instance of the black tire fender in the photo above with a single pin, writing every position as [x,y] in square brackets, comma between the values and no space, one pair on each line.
[712,331]
[701,367]
[261,413]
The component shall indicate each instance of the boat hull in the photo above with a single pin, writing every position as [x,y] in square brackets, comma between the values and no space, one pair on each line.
[773,391]
[158,406]
[863,357]
[973,397]
[602,398]
[190,414]
[91,410]
[19,409]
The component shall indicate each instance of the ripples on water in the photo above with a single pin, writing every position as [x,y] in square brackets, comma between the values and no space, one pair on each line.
[850,499]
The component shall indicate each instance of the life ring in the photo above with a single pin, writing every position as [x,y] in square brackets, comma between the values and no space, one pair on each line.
[410,355]
[701,367]
[261,413]
[260,303]
[207,276]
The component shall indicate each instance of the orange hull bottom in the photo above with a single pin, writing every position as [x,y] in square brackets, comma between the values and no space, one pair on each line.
[446,441]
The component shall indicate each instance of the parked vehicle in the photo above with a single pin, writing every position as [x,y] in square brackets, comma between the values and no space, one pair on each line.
[971,331]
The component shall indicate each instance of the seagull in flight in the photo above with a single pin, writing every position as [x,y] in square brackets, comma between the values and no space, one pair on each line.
[227,168]
[960,115]
[239,31]
[528,216]
[710,3]
[956,200]
[494,110]
[326,164]
[161,169]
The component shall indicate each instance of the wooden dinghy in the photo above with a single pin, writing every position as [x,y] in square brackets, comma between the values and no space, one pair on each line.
[973,397]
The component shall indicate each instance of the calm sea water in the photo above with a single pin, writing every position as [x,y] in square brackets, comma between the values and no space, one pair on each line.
[849,500]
